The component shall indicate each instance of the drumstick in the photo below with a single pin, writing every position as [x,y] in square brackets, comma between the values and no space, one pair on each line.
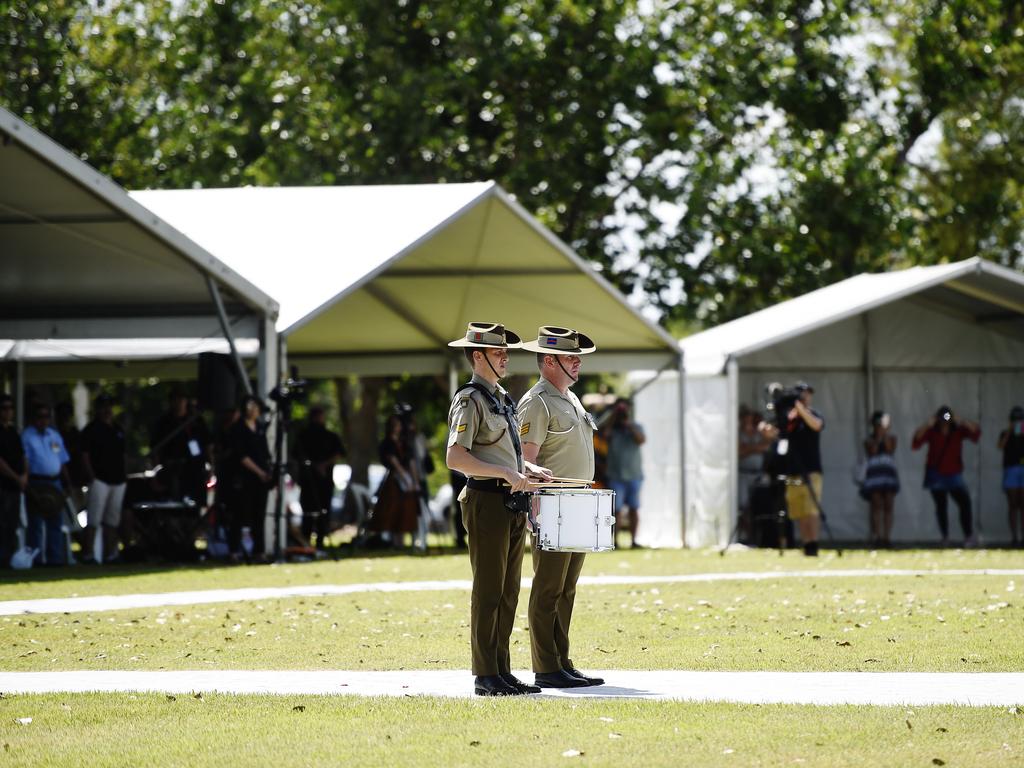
[572,480]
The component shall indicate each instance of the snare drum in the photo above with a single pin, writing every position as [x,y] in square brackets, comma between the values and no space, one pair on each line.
[576,520]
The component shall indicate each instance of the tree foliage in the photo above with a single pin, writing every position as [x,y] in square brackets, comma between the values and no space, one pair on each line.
[711,157]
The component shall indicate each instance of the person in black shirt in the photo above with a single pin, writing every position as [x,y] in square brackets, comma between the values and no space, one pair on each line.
[317,450]
[252,480]
[13,480]
[803,481]
[1011,443]
[103,446]
[182,447]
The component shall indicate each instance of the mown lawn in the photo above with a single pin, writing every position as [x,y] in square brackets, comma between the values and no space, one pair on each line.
[113,580]
[216,731]
[820,623]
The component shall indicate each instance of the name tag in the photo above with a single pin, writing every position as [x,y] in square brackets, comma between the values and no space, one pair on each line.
[193,448]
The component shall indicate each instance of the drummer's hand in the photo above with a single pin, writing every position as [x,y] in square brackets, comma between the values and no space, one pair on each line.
[537,472]
[518,481]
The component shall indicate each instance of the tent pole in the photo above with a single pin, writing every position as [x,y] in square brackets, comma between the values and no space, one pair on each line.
[732,370]
[681,369]
[453,377]
[19,393]
[869,371]
[225,327]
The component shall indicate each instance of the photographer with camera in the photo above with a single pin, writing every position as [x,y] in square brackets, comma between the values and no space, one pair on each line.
[1011,443]
[799,444]
[944,467]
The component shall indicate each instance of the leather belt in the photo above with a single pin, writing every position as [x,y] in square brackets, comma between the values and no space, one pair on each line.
[488,485]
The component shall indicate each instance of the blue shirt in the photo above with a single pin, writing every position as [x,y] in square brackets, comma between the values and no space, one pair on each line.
[44,452]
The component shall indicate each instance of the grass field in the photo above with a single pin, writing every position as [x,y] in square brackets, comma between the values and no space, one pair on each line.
[150,729]
[817,623]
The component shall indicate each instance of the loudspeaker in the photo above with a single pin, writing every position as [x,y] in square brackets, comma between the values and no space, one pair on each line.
[218,382]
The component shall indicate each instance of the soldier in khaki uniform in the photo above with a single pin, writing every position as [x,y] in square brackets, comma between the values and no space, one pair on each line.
[558,433]
[483,444]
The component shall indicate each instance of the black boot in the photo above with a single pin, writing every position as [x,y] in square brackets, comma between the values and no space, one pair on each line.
[514,682]
[811,549]
[493,685]
[571,670]
[559,679]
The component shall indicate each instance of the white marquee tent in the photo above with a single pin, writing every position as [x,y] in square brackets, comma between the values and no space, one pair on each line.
[376,279]
[88,272]
[904,342]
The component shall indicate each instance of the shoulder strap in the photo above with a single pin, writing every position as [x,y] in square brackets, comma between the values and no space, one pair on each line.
[506,409]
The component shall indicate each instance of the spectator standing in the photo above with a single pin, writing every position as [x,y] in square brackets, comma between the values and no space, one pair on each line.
[48,478]
[944,467]
[317,449]
[1011,443]
[753,445]
[103,448]
[64,422]
[625,465]
[252,481]
[182,446]
[804,480]
[397,508]
[13,481]
[881,479]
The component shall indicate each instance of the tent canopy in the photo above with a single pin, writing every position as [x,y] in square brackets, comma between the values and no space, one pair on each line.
[378,279]
[974,290]
[903,342]
[83,260]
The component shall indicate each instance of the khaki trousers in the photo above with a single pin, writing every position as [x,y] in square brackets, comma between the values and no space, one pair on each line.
[551,601]
[496,538]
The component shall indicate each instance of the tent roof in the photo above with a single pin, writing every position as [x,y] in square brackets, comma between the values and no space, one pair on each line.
[81,258]
[979,289]
[396,271]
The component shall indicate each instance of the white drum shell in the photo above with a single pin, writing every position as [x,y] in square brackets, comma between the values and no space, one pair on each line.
[579,520]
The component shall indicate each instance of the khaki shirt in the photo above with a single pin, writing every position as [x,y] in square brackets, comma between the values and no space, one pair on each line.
[473,424]
[561,427]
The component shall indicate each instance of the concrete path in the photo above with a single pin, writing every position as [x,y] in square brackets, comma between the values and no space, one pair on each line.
[200,597]
[878,688]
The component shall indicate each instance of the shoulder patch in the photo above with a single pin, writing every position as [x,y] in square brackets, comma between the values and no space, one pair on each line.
[461,428]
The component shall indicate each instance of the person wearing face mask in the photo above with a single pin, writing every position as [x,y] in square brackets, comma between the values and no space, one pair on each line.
[484,445]
[944,466]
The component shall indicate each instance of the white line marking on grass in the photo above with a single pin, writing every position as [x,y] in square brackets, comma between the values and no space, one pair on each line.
[828,688]
[201,597]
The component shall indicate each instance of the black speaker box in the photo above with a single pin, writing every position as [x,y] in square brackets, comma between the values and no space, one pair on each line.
[218,382]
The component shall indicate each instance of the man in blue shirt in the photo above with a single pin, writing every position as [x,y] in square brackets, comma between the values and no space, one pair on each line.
[47,460]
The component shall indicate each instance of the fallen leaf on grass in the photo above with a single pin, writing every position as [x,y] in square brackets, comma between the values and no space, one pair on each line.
[909,726]
[843,643]
[474,743]
[941,730]
[24,721]
[614,735]
[872,661]
[198,695]
[572,753]
[299,708]
[606,719]
[171,698]
[938,761]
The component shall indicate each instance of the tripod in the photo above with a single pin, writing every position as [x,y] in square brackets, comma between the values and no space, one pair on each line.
[778,515]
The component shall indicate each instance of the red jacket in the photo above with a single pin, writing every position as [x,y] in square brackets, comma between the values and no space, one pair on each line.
[944,450]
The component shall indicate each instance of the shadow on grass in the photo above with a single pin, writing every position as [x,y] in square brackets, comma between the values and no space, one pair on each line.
[71,573]
[603,692]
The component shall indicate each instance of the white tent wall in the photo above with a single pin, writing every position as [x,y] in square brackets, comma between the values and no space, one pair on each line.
[656,409]
[921,357]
